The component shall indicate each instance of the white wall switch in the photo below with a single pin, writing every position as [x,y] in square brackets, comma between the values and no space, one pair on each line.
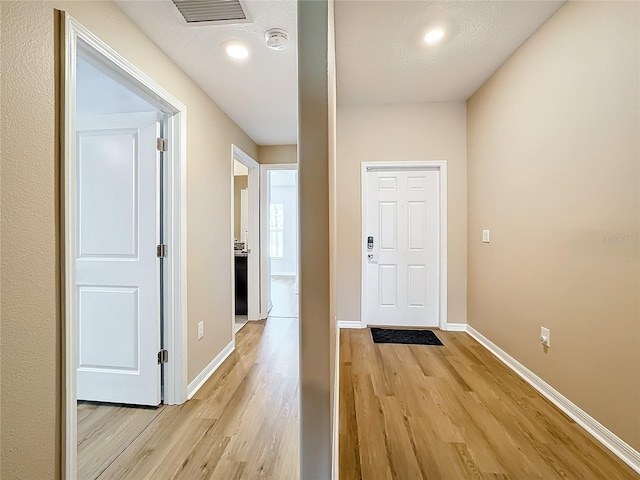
[545,336]
[200,330]
[485,236]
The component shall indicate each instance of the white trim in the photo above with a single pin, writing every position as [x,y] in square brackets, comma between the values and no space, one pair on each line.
[175,372]
[336,407]
[253,240]
[350,324]
[265,284]
[456,327]
[210,369]
[441,166]
[610,440]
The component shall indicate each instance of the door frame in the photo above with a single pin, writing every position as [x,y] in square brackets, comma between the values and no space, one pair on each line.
[264,225]
[441,167]
[253,260]
[175,267]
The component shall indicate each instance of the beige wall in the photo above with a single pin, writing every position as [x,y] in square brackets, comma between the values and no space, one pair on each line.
[553,141]
[434,131]
[272,154]
[313,177]
[31,365]
[239,182]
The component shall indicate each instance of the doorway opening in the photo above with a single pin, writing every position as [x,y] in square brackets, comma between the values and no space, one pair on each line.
[124,252]
[280,243]
[245,221]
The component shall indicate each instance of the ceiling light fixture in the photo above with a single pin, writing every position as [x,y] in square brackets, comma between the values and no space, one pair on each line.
[276,38]
[434,36]
[236,50]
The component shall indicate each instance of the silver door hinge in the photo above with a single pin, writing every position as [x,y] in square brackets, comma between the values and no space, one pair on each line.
[161,251]
[161,144]
[163,356]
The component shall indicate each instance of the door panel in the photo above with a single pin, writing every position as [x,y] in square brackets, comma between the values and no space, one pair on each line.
[416,285]
[388,226]
[402,269]
[117,271]
[416,225]
[108,216]
[110,317]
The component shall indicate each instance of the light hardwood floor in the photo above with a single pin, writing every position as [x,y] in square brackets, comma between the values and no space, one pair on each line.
[243,423]
[454,412]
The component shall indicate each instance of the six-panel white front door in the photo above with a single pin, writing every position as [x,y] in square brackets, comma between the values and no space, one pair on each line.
[117,270]
[402,247]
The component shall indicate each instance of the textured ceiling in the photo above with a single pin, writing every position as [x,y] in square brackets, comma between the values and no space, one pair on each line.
[379,50]
[259,94]
[381,57]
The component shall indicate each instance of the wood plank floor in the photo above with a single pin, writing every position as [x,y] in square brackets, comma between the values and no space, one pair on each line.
[454,412]
[243,423]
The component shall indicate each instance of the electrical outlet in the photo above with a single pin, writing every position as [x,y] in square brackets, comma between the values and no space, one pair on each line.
[485,236]
[545,336]
[200,330]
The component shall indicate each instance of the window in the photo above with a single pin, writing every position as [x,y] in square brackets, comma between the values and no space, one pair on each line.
[276,230]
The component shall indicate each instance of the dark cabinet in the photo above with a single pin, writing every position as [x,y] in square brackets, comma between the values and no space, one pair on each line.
[241,284]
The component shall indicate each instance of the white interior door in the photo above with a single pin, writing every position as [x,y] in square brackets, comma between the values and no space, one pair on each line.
[117,270]
[402,263]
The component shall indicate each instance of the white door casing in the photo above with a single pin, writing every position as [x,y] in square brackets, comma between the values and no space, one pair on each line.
[244,214]
[79,39]
[402,272]
[117,270]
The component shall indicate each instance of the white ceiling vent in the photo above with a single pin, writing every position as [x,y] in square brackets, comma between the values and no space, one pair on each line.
[212,12]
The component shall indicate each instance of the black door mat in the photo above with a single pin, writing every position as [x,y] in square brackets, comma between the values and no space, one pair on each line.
[407,337]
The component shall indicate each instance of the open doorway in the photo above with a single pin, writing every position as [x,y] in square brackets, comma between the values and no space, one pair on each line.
[245,220]
[240,243]
[280,210]
[123,211]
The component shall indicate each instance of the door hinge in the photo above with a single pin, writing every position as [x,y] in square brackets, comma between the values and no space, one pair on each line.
[163,356]
[161,251]
[161,144]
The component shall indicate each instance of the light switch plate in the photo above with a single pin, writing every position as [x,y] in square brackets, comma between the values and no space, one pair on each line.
[485,236]
[545,336]
[200,330]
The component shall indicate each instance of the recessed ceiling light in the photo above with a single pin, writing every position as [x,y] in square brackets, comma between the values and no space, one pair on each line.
[434,36]
[236,50]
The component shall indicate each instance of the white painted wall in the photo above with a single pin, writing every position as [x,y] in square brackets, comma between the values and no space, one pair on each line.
[113,97]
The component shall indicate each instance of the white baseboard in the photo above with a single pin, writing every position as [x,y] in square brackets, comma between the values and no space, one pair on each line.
[204,375]
[456,327]
[605,436]
[349,324]
[336,409]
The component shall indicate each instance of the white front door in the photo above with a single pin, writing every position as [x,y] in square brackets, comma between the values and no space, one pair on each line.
[117,270]
[401,247]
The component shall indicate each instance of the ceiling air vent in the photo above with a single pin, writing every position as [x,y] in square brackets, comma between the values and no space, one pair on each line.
[202,12]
